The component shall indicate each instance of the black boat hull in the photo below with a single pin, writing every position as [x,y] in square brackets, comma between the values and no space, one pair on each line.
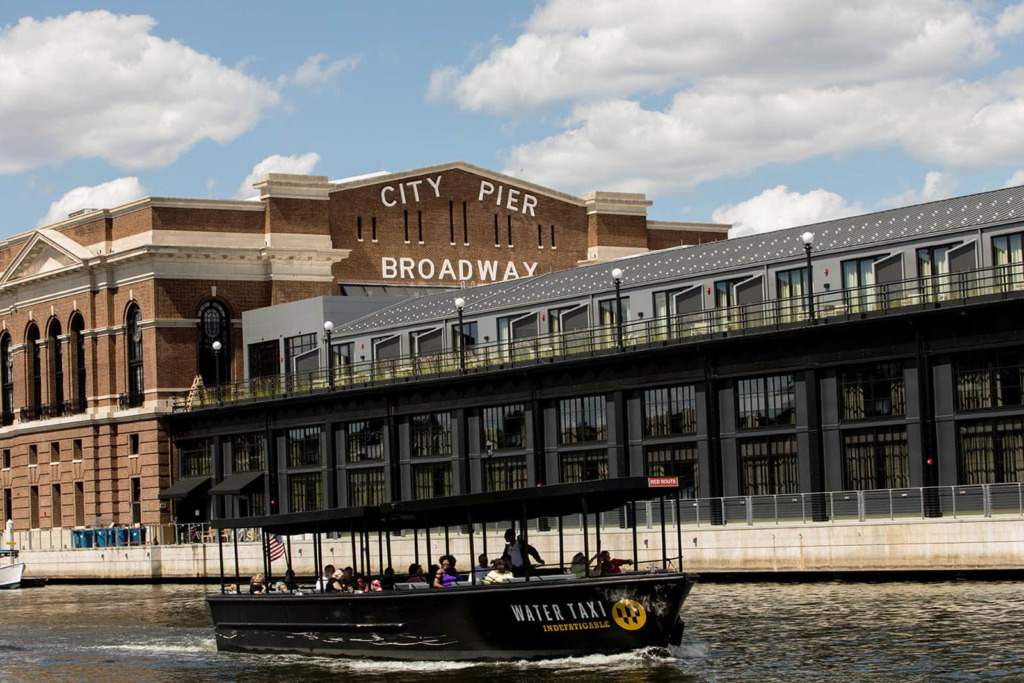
[534,620]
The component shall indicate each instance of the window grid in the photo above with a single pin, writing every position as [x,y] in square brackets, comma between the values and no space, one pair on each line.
[991,451]
[990,381]
[670,411]
[303,446]
[249,452]
[769,466]
[305,492]
[876,459]
[871,391]
[675,460]
[504,427]
[364,441]
[503,474]
[196,458]
[582,420]
[579,466]
[766,401]
[432,480]
[367,486]
[432,435]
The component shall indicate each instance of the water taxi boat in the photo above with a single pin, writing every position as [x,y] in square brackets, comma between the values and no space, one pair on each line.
[545,614]
[11,574]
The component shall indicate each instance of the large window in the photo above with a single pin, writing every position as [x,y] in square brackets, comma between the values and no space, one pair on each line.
[1008,258]
[504,427]
[305,492]
[76,346]
[432,435]
[294,347]
[931,265]
[56,354]
[133,330]
[670,411]
[35,370]
[766,401]
[432,480]
[583,465]
[196,458]
[263,359]
[871,391]
[364,440]
[303,446]
[7,379]
[582,420]
[769,466]
[875,459]
[858,278]
[214,327]
[504,473]
[991,451]
[990,380]
[675,460]
[366,486]
[791,289]
[249,452]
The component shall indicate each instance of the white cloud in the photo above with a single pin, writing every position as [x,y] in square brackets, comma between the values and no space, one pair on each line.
[778,208]
[95,84]
[105,196]
[317,71]
[1011,20]
[300,164]
[597,49]
[937,185]
[1016,179]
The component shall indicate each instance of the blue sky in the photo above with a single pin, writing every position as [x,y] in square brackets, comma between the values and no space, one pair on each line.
[759,114]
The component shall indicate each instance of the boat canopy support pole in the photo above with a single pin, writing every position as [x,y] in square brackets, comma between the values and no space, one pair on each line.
[426,529]
[679,534]
[561,546]
[472,551]
[238,573]
[586,536]
[524,532]
[387,539]
[664,540]
[220,553]
[632,523]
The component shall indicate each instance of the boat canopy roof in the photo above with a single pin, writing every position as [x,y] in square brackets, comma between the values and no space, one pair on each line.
[500,506]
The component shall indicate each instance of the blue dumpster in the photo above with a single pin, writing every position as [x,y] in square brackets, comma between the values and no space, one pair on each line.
[106,538]
[88,538]
[123,537]
[78,538]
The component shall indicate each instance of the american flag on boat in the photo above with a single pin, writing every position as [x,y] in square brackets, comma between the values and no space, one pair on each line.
[273,547]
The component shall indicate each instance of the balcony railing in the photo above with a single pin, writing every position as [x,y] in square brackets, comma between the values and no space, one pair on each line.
[906,296]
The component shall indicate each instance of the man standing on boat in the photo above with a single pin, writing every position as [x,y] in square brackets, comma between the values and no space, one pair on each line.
[520,551]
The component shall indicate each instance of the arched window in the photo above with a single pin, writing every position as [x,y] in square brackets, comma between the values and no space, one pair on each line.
[6,380]
[76,349]
[34,372]
[133,333]
[55,356]
[214,326]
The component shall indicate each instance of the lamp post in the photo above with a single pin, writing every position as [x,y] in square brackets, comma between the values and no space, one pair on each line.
[617,278]
[328,328]
[808,239]
[460,303]
[216,346]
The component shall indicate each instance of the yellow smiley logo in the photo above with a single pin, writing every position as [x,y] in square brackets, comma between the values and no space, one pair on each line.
[629,614]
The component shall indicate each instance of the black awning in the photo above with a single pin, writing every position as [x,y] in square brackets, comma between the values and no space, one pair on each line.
[236,484]
[183,488]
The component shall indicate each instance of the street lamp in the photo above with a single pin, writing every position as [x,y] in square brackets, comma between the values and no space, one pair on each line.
[328,328]
[460,303]
[617,277]
[808,239]
[216,367]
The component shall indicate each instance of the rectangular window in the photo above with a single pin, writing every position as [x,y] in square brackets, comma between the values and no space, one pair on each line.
[991,451]
[876,459]
[295,347]
[870,391]
[583,466]
[509,230]
[990,380]
[364,441]
[303,446]
[504,427]
[552,236]
[76,450]
[667,319]
[419,226]
[465,226]
[263,359]
[469,336]
[33,454]
[136,485]
[858,283]
[33,507]
[373,228]
[55,507]
[675,460]
[791,291]
[502,474]
[249,452]
[1008,258]
[451,221]
[406,223]
[766,401]
[133,444]
[8,505]
[540,236]
[366,486]
[79,503]
[359,228]
[670,411]
[196,458]
[769,466]
[582,420]
[497,243]
[55,451]
[305,492]
[7,460]
[431,435]
[932,265]
[432,480]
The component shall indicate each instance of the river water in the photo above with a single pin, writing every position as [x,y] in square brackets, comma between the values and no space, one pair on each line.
[957,631]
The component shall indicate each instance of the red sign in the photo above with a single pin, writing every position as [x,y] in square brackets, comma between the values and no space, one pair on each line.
[660,482]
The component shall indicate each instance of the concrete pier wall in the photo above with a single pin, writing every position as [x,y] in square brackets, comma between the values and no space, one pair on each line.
[961,545]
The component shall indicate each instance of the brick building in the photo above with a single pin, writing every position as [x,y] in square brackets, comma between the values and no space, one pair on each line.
[108,316]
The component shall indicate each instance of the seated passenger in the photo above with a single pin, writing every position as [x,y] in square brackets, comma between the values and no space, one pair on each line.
[258,584]
[447,575]
[337,584]
[610,565]
[500,573]
[348,580]
[288,583]
[324,582]
[481,569]
[416,573]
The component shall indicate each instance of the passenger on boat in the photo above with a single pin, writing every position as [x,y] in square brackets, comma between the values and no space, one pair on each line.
[610,565]
[416,573]
[324,582]
[520,552]
[348,580]
[387,581]
[500,573]
[258,584]
[579,565]
[447,575]
[432,571]
[482,568]
[337,584]
[288,583]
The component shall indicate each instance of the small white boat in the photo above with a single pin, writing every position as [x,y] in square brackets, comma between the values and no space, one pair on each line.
[10,575]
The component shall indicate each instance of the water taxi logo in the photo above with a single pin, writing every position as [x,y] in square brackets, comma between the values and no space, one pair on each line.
[629,614]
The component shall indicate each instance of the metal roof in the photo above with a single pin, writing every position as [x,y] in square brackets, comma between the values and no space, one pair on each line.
[843,234]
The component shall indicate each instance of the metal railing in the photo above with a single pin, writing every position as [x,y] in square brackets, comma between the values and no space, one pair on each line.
[954,289]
